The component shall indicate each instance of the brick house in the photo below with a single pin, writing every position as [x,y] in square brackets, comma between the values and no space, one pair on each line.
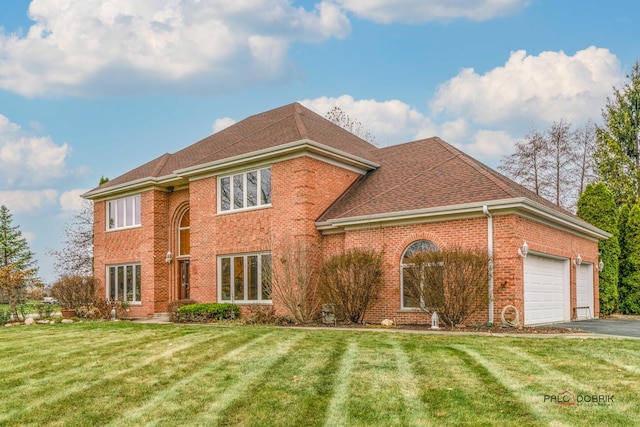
[201,222]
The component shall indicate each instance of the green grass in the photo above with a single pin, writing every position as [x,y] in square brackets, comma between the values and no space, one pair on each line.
[131,374]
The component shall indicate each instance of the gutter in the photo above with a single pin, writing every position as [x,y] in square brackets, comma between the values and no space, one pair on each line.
[485,210]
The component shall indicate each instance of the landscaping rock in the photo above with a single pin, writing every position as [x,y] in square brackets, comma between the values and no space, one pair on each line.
[387,322]
[66,321]
[42,322]
[29,321]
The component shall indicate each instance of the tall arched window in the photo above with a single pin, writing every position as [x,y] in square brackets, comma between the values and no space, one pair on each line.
[184,242]
[409,301]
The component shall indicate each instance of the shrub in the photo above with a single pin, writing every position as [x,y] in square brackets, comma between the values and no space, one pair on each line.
[207,312]
[294,279]
[5,316]
[73,292]
[453,282]
[175,305]
[261,315]
[352,281]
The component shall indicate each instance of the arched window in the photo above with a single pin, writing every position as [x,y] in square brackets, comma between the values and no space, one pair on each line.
[408,300]
[184,242]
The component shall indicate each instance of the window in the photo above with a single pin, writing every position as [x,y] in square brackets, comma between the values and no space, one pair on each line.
[244,278]
[184,242]
[409,300]
[245,190]
[123,213]
[123,283]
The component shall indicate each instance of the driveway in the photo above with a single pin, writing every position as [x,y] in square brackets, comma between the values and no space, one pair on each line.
[619,327]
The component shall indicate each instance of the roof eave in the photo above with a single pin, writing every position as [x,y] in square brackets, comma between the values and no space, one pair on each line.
[520,205]
[133,186]
[345,159]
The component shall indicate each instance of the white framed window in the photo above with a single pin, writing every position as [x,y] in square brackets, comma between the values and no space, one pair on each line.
[123,213]
[245,190]
[124,283]
[244,278]
[407,298]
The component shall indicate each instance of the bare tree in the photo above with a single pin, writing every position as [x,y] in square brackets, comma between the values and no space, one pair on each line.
[453,282]
[556,164]
[342,119]
[529,164]
[76,256]
[294,275]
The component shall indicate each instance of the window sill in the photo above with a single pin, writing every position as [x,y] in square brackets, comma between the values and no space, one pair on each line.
[131,227]
[246,302]
[411,310]
[253,208]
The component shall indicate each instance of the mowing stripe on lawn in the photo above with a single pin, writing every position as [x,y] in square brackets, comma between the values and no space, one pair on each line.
[165,398]
[337,410]
[406,380]
[251,368]
[609,359]
[517,389]
[70,381]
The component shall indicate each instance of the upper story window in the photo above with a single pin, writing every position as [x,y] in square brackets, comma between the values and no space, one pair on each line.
[245,190]
[184,243]
[123,213]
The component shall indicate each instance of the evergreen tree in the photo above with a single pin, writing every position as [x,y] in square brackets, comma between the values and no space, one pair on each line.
[597,206]
[630,282]
[617,153]
[623,218]
[17,263]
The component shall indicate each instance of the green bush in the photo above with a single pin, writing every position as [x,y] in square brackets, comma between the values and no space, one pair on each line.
[5,316]
[207,312]
[175,305]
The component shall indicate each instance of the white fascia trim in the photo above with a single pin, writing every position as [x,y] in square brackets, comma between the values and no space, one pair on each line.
[520,206]
[288,150]
[138,185]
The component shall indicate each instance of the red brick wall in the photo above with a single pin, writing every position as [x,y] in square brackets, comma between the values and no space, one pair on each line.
[509,233]
[301,189]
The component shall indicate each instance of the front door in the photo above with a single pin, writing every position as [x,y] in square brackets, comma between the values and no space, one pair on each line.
[183,291]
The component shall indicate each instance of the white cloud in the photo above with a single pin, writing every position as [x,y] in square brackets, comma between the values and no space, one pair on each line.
[71,201]
[532,89]
[26,160]
[28,201]
[390,122]
[222,123]
[88,46]
[413,11]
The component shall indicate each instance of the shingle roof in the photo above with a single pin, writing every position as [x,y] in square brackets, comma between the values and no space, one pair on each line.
[425,174]
[282,125]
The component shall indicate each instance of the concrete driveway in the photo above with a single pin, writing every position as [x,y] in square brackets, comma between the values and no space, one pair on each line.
[619,327]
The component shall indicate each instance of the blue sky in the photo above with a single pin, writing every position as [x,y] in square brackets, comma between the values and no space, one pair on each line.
[92,88]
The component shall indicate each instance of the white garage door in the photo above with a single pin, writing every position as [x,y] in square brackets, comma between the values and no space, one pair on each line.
[584,291]
[546,290]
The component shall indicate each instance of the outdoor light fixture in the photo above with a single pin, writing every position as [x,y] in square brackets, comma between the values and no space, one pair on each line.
[524,250]
[600,265]
[169,257]
[578,260]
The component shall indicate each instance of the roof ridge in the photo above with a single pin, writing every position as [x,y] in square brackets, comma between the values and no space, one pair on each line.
[299,111]
[244,137]
[162,162]
[424,171]
[480,167]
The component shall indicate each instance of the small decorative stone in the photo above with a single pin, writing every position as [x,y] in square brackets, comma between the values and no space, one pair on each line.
[29,321]
[387,323]
[66,321]
[42,322]
[8,324]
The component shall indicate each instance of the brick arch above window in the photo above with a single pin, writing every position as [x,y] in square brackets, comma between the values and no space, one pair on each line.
[414,237]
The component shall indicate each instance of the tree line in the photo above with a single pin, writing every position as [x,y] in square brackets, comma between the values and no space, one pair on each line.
[594,171]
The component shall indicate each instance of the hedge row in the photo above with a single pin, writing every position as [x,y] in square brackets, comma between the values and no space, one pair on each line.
[207,312]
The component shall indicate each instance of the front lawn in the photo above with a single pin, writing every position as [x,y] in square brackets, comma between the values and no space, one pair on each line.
[129,374]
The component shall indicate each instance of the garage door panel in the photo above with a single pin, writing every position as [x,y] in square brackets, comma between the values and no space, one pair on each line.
[545,290]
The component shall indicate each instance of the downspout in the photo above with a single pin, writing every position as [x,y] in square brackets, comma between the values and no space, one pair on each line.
[485,210]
